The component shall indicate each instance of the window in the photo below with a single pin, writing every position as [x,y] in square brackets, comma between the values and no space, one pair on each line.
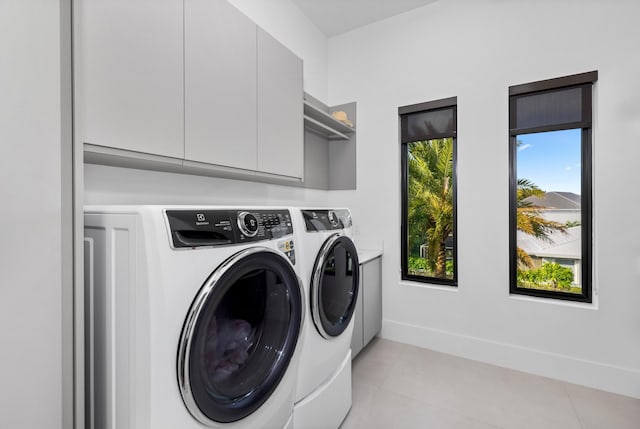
[428,138]
[550,187]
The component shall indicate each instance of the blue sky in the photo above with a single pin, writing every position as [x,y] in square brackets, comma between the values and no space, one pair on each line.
[551,160]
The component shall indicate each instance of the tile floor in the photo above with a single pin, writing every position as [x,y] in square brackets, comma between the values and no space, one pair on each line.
[400,386]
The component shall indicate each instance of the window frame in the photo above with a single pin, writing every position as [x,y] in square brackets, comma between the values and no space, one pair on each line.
[446,103]
[585,81]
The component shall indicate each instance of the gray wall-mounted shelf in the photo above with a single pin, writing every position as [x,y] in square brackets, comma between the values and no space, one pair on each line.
[329,147]
[323,130]
[319,121]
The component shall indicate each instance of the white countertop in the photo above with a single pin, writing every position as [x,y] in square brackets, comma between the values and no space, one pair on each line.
[366,255]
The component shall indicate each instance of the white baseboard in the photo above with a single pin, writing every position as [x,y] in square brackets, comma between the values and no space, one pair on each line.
[624,381]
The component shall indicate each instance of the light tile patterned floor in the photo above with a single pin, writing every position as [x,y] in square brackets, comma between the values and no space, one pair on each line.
[400,386]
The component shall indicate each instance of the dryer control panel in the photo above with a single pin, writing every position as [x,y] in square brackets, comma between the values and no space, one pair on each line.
[326,219]
[200,228]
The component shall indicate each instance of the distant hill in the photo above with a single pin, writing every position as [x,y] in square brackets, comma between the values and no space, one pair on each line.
[557,200]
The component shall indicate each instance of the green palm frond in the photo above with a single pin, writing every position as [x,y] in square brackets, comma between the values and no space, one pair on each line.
[430,190]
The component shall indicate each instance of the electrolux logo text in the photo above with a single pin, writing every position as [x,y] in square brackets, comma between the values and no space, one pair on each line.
[201,219]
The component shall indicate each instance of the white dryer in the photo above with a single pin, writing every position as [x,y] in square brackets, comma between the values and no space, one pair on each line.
[329,268]
[193,317]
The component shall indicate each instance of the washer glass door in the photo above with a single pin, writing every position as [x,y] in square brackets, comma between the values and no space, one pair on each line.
[334,285]
[239,336]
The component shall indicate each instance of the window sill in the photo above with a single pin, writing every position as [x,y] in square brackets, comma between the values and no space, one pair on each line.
[433,286]
[556,301]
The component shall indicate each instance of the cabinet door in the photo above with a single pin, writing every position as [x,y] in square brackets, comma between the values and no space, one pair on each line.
[372,302]
[357,341]
[220,85]
[280,109]
[129,75]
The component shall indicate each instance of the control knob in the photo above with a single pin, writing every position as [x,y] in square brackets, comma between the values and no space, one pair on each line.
[248,224]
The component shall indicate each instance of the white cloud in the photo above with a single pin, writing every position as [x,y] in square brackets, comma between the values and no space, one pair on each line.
[524,146]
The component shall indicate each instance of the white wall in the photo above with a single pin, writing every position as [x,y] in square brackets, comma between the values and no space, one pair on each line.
[31,149]
[284,21]
[475,50]
[112,185]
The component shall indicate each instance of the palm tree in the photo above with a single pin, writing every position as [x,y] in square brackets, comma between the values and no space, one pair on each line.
[430,199]
[529,218]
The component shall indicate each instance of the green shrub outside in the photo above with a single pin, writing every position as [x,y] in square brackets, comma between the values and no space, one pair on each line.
[549,274]
[420,266]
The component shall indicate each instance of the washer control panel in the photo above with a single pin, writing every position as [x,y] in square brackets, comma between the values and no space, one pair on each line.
[326,219]
[200,228]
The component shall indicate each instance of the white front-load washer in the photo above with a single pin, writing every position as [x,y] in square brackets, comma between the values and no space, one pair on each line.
[330,272]
[193,317]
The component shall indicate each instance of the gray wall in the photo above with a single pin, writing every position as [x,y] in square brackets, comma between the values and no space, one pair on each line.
[32,153]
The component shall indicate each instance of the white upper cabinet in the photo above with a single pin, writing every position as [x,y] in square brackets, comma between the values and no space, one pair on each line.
[220,85]
[129,75]
[193,83]
[280,109]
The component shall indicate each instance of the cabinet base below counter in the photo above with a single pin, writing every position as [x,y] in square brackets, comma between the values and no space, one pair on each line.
[368,314]
[101,155]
